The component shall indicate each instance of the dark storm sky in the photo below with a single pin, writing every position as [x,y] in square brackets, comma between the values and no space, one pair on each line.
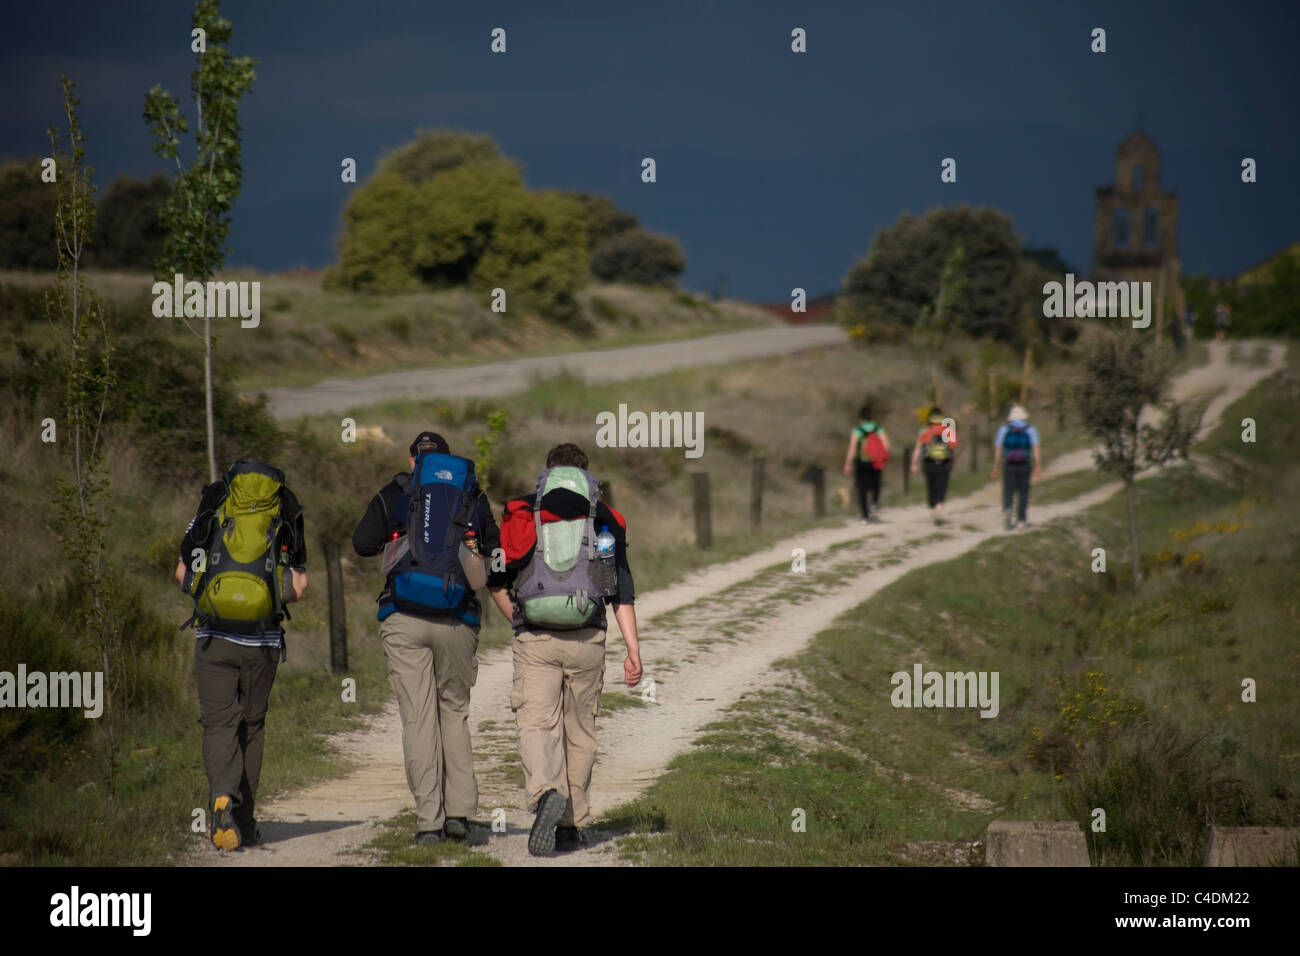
[774,168]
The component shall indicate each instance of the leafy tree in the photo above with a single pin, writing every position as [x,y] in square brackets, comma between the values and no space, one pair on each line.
[604,220]
[1123,374]
[130,234]
[485,446]
[26,218]
[639,257]
[196,216]
[88,380]
[436,151]
[903,271]
[538,252]
[398,235]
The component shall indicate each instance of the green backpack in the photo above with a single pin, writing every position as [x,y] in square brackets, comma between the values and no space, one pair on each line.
[563,586]
[238,585]
[936,449]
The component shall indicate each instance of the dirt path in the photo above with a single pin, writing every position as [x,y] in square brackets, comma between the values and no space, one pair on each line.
[734,621]
[506,377]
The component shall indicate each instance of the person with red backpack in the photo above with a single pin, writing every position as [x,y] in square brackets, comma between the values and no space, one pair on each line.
[566,559]
[865,459]
[436,532]
[1017,444]
[936,443]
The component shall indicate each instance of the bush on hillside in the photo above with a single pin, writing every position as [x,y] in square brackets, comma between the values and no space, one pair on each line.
[638,258]
[26,218]
[537,253]
[900,275]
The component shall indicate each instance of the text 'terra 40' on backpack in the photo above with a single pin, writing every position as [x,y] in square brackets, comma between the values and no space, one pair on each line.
[426,573]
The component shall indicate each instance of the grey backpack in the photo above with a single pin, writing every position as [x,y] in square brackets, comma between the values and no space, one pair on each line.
[563,586]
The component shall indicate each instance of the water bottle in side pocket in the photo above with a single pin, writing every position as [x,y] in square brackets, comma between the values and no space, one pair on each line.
[605,573]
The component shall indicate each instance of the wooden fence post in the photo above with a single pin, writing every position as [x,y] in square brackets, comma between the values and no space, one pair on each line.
[756,493]
[338,616]
[703,520]
[819,491]
[907,471]
[974,446]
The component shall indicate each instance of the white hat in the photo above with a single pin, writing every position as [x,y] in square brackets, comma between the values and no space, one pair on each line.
[1017,413]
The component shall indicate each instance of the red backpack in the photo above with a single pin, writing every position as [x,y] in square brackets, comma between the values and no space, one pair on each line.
[872,448]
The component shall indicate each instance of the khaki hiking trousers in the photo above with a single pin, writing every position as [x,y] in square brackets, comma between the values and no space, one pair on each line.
[558,677]
[432,666]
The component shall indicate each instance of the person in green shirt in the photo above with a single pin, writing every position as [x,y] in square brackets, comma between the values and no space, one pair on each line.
[858,461]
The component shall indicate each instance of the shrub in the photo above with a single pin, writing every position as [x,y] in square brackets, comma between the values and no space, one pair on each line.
[901,273]
[639,258]
[538,253]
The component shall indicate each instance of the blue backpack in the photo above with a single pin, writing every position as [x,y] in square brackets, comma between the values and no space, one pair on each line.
[439,506]
[1016,443]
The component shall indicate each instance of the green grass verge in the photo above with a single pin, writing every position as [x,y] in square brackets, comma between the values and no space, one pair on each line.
[395,846]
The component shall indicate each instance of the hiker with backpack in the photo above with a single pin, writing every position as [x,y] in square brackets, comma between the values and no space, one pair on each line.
[865,459]
[1017,444]
[566,558]
[437,534]
[936,444]
[243,557]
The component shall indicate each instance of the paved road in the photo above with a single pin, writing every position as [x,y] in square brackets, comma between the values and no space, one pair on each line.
[333,396]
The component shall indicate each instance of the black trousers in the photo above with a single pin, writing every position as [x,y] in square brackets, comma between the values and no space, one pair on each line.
[868,482]
[1015,481]
[234,685]
[936,480]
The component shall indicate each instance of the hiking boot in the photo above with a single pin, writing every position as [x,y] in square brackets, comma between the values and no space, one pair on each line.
[225,831]
[457,828]
[568,839]
[250,833]
[541,839]
[865,521]
[1008,520]
[429,837]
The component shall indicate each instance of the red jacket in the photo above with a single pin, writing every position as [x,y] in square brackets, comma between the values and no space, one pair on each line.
[519,533]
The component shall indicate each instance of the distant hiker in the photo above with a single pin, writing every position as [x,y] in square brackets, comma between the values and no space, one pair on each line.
[1017,444]
[246,534]
[566,558]
[429,622]
[1222,319]
[936,444]
[866,458]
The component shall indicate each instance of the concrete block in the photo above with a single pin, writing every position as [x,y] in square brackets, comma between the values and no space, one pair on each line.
[1035,843]
[1252,846]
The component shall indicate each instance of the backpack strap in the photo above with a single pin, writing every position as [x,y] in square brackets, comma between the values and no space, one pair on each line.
[593,492]
[209,519]
[537,510]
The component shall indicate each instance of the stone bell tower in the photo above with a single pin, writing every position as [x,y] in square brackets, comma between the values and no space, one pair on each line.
[1136,233]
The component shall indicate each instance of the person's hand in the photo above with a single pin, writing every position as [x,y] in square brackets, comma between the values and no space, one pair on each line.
[1038,471]
[914,468]
[848,470]
[996,471]
[632,670]
[299,584]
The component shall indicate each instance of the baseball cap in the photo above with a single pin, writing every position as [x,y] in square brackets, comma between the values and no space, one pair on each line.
[429,441]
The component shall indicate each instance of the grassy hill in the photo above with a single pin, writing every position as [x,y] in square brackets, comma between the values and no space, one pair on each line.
[307,333]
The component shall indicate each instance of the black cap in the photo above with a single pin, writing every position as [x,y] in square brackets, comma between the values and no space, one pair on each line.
[429,441]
